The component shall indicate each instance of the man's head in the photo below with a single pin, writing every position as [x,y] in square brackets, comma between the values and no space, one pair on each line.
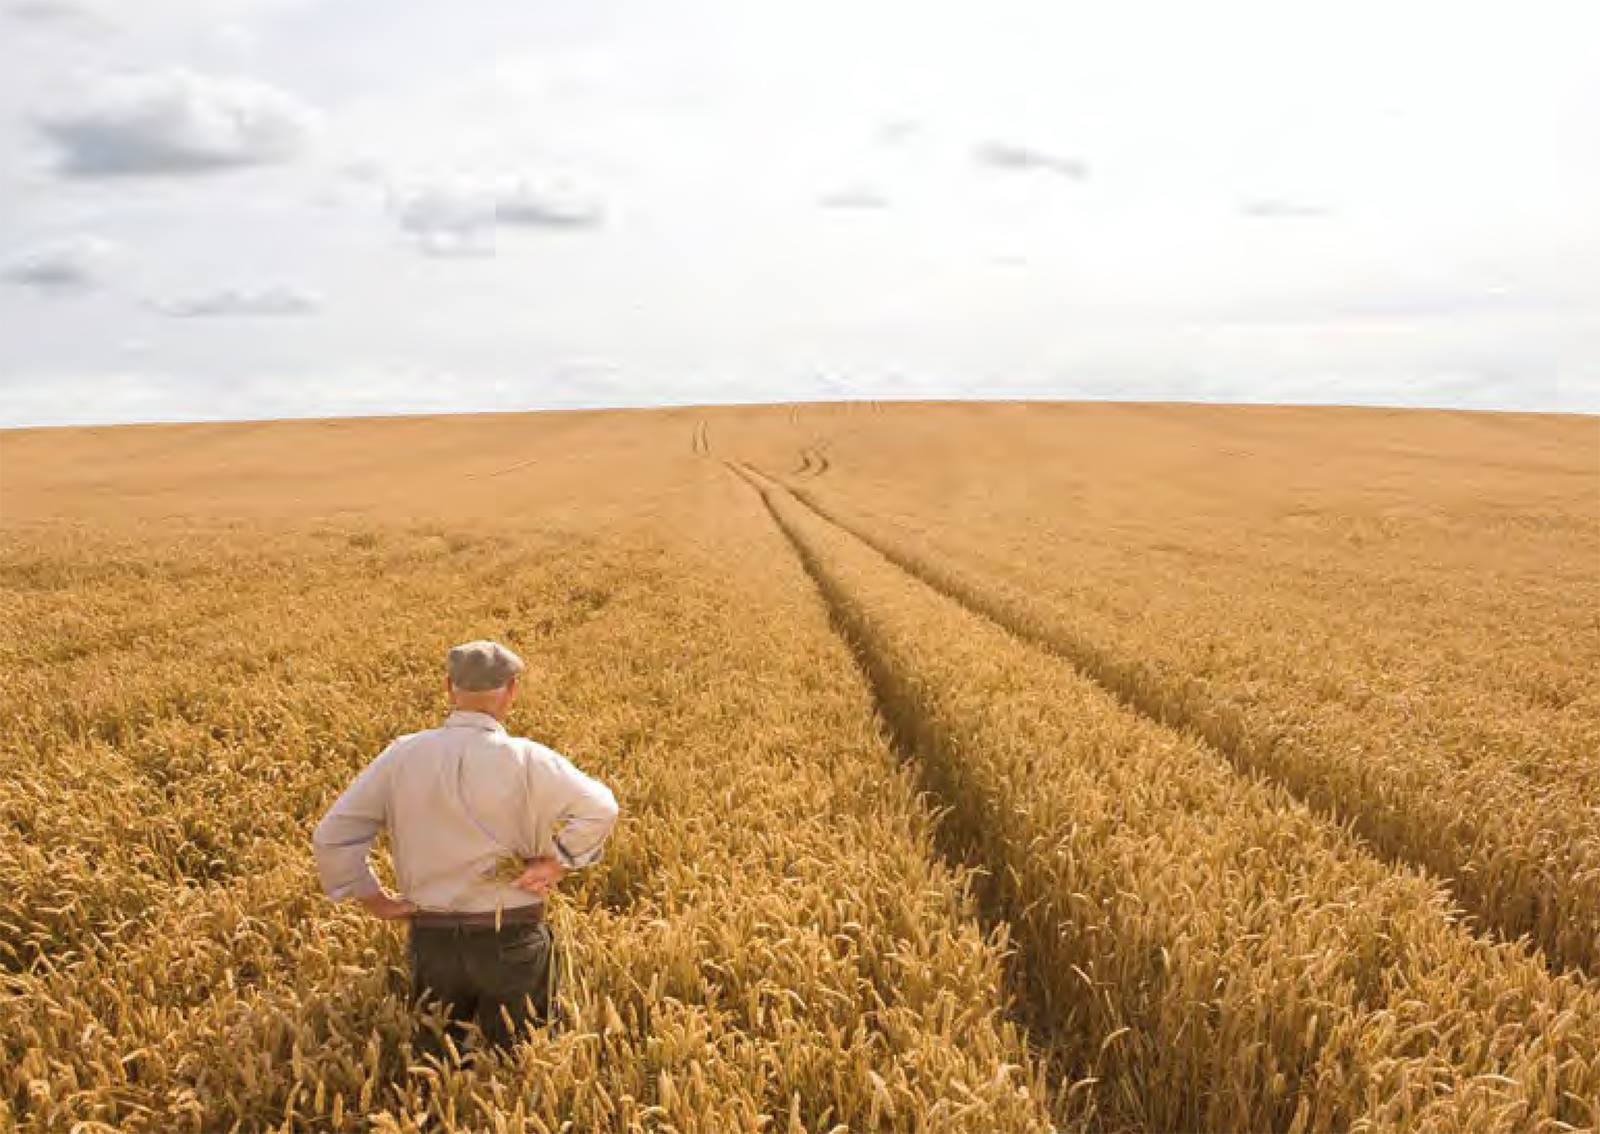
[482,677]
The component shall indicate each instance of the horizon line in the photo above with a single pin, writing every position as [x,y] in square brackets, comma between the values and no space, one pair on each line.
[781,403]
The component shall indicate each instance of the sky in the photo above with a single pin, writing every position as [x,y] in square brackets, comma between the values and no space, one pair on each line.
[237,209]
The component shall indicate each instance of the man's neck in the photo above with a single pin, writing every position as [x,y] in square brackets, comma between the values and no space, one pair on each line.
[480,712]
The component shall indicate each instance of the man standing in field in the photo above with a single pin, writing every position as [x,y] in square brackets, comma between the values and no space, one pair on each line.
[459,801]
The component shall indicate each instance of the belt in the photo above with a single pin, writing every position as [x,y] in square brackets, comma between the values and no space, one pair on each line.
[448,919]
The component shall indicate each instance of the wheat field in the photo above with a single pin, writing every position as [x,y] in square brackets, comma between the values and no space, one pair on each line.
[1008,767]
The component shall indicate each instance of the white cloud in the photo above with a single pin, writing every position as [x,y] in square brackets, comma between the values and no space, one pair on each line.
[273,301]
[175,122]
[459,218]
[1027,159]
[898,131]
[1280,208]
[857,197]
[48,11]
[75,264]
[446,221]
[522,206]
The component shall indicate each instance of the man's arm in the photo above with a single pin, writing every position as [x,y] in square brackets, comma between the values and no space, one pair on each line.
[342,841]
[587,811]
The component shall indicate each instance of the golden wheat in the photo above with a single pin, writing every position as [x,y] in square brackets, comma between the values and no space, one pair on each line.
[1046,909]
[1251,965]
[769,940]
[1517,836]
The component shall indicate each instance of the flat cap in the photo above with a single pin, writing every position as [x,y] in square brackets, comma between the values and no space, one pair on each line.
[480,665]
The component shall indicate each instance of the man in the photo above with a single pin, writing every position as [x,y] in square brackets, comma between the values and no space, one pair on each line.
[459,801]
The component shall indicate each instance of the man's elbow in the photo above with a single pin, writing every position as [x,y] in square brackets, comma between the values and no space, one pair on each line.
[596,821]
[336,855]
[323,836]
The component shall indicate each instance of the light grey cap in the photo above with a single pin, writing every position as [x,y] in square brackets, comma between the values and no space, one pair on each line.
[477,666]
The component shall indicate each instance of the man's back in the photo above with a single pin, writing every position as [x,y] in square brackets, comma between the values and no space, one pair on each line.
[457,799]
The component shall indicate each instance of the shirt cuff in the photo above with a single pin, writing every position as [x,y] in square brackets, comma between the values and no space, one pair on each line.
[577,862]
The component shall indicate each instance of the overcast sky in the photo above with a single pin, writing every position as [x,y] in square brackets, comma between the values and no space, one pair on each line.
[260,208]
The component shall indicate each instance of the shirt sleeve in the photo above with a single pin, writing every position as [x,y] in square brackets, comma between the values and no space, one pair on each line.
[588,812]
[344,837]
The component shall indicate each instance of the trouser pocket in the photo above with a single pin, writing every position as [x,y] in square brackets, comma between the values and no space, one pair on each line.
[522,964]
[522,945]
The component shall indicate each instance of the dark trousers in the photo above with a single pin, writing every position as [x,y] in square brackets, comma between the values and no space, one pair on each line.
[498,979]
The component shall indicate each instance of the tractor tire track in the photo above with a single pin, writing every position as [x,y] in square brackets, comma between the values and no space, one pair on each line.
[502,471]
[1359,946]
[813,462]
[957,847]
[1559,922]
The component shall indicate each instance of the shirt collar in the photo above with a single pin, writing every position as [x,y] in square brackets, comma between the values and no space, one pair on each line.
[470,718]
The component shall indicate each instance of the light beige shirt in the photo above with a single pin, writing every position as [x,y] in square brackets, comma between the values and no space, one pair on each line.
[456,800]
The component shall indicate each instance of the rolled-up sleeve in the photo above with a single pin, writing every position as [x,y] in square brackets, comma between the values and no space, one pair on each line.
[344,837]
[588,812]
